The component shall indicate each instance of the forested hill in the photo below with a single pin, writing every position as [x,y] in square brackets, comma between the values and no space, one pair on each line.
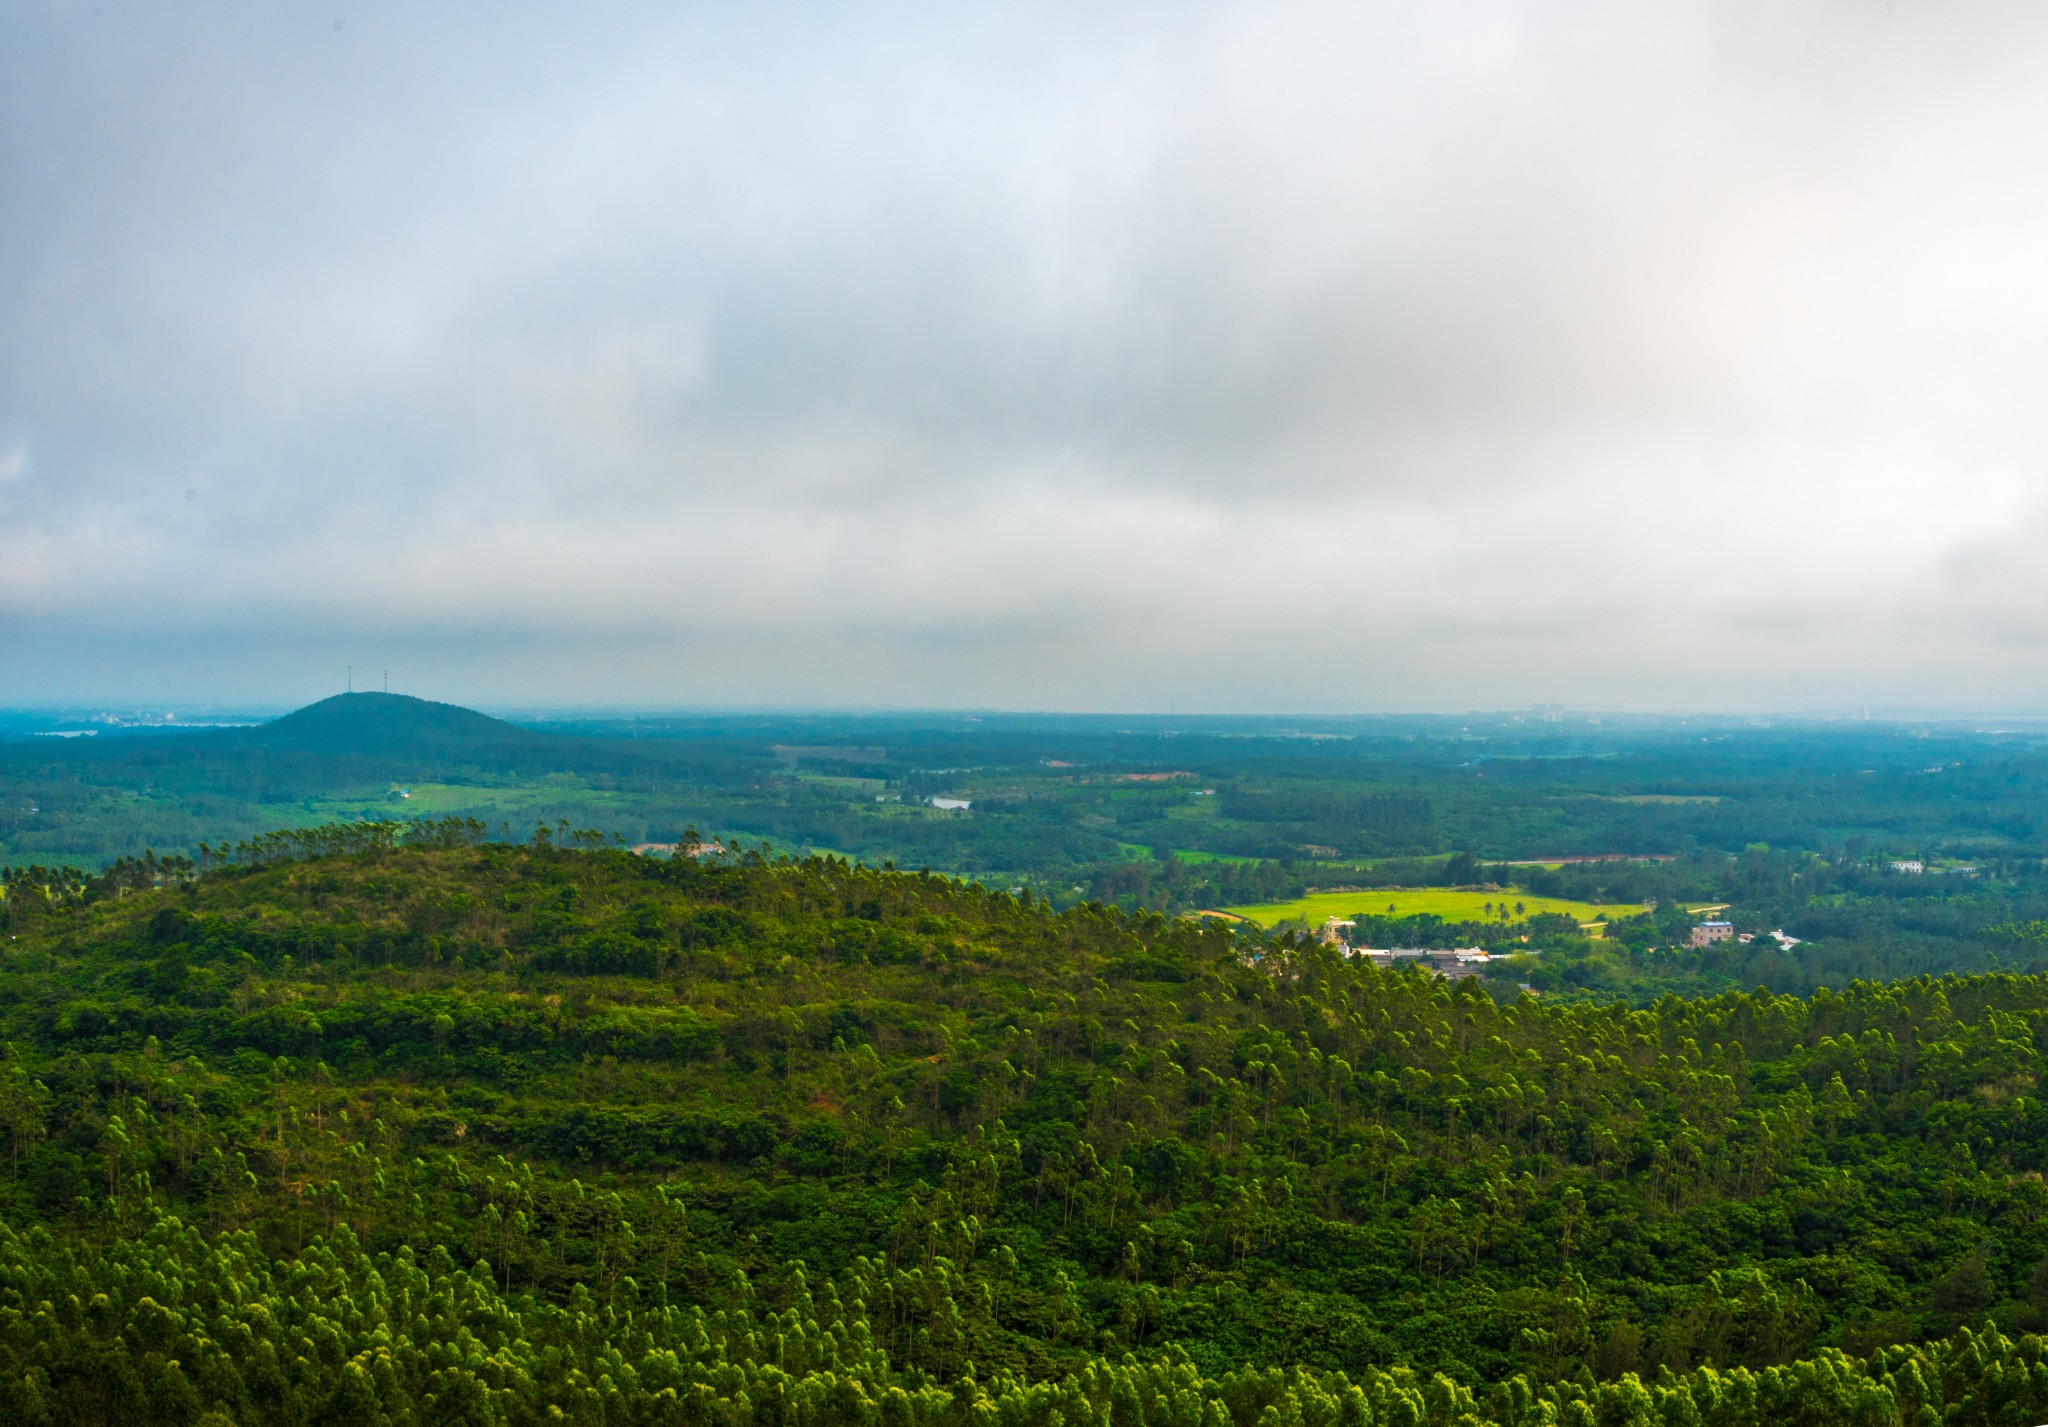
[387,724]
[466,1132]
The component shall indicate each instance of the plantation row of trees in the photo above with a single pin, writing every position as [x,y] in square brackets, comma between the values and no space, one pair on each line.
[167,1329]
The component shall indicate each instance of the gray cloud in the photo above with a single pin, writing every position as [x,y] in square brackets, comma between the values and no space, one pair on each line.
[1064,356]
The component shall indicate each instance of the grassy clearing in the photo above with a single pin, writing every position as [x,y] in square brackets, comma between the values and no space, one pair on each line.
[1676,799]
[445,799]
[851,785]
[1449,903]
[1136,852]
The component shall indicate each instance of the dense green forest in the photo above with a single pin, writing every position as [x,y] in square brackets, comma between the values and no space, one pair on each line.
[404,1124]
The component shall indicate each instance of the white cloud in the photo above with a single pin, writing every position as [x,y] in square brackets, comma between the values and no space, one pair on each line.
[1363,356]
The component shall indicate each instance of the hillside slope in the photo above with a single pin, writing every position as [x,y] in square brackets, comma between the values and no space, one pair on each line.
[1005,1145]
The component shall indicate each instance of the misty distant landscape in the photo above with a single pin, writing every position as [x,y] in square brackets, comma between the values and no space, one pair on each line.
[1787,826]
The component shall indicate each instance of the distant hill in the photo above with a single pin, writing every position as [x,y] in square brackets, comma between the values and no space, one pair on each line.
[74,799]
[393,725]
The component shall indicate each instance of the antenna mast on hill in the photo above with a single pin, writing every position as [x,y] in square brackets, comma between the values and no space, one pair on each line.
[387,681]
[351,678]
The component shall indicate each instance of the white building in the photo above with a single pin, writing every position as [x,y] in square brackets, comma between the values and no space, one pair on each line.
[1451,963]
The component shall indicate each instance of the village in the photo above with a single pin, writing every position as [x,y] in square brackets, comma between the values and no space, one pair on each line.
[1453,963]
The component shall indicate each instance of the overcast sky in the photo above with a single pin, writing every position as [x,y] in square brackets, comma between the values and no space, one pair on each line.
[1261,356]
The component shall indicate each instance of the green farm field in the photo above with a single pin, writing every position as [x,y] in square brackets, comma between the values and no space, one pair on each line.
[1450,903]
[527,798]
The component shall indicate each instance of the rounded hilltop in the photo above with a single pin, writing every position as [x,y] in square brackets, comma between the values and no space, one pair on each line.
[388,723]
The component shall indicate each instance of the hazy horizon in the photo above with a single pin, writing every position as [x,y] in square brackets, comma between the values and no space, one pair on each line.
[139,713]
[1224,358]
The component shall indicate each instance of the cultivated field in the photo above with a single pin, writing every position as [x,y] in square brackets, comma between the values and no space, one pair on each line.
[1452,904]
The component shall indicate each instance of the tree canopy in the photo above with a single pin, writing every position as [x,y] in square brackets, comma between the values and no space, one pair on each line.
[412,1126]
